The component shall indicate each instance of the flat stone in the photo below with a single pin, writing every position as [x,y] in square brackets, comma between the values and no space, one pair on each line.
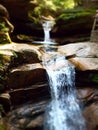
[26,75]
[33,93]
[85,63]
[81,50]
[86,55]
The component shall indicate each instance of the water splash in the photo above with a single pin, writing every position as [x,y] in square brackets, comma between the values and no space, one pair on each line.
[63,112]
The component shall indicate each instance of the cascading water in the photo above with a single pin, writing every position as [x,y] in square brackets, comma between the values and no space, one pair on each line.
[47,26]
[63,112]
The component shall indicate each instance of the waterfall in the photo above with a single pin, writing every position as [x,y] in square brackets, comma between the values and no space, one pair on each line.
[47,26]
[47,29]
[63,111]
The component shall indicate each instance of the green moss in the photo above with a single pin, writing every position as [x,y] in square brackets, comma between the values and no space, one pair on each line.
[1,61]
[2,127]
[3,25]
[4,62]
[94,77]
[76,13]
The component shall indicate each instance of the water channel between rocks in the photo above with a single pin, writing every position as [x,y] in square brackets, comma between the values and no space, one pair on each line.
[63,111]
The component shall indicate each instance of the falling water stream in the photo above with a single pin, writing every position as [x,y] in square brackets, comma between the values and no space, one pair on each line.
[63,111]
[47,26]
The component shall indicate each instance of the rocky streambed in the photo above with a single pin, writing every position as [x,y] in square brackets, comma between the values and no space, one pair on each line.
[24,85]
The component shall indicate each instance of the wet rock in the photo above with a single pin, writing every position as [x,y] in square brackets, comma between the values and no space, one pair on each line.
[26,75]
[26,69]
[86,55]
[88,77]
[32,93]
[81,49]
[29,116]
[89,97]
[24,54]
[24,57]
[14,7]
[35,124]
[88,94]
[91,116]
[26,83]
[5,102]
[13,55]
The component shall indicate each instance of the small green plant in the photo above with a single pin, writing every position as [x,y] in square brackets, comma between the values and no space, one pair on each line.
[1,77]
[94,77]
[2,127]
[15,54]
[1,108]
[1,61]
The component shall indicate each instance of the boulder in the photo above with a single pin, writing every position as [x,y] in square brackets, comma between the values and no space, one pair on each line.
[90,109]
[15,7]
[28,116]
[86,55]
[33,93]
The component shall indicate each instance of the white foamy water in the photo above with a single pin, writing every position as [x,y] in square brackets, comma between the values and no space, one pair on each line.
[63,112]
[47,26]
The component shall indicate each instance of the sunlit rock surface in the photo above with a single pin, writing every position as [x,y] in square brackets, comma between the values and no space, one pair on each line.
[86,55]
[24,61]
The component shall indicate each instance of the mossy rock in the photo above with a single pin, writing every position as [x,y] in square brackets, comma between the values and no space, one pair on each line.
[89,78]
[75,14]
